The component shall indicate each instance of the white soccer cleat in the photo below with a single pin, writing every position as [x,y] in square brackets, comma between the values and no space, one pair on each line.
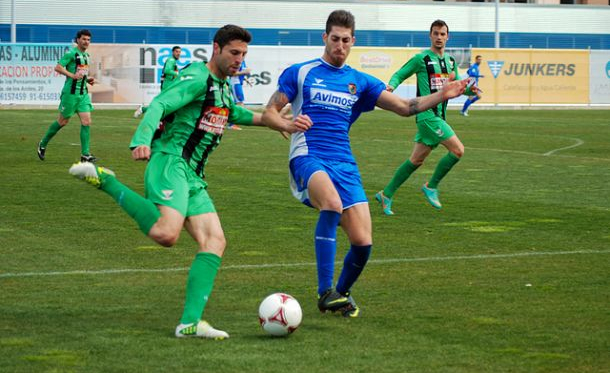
[201,330]
[89,172]
[138,112]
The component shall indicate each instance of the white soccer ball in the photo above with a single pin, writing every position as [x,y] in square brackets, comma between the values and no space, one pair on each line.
[280,314]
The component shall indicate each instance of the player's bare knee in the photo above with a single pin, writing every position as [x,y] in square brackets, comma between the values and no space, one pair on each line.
[459,151]
[362,241]
[215,244]
[333,204]
[219,242]
[417,161]
[165,238]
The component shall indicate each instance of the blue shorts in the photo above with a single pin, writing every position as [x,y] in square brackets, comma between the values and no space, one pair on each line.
[344,175]
[238,93]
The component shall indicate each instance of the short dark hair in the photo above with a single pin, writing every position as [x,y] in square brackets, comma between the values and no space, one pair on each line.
[228,33]
[477,56]
[83,32]
[438,23]
[176,47]
[341,18]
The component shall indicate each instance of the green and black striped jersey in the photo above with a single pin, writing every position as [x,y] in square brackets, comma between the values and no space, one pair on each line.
[75,60]
[195,111]
[432,72]
[170,73]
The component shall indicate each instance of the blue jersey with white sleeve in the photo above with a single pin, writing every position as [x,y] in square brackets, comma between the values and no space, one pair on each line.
[333,97]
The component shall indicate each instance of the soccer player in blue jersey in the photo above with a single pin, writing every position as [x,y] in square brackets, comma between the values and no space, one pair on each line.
[237,81]
[323,172]
[237,89]
[473,73]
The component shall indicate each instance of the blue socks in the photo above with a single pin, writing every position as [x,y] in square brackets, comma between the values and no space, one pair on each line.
[469,102]
[354,263]
[326,248]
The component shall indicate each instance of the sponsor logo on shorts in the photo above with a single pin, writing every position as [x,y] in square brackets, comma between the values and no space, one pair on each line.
[167,195]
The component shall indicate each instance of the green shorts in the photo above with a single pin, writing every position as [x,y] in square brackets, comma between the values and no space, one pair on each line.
[433,131]
[71,104]
[169,181]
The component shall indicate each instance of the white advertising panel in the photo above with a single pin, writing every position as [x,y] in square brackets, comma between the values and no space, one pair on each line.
[27,73]
[132,73]
[599,77]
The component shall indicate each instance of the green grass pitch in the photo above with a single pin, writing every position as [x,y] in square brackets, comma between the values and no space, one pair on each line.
[512,275]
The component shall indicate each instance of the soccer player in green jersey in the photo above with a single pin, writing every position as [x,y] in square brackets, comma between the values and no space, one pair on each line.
[74,96]
[199,106]
[168,77]
[432,68]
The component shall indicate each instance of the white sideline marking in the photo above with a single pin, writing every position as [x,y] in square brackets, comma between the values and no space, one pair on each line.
[537,154]
[579,142]
[308,264]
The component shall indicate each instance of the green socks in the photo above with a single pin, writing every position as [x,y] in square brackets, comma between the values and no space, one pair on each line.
[142,210]
[406,169]
[84,139]
[400,176]
[442,168]
[52,131]
[199,286]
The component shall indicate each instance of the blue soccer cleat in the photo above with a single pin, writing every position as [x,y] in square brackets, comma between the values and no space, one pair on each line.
[386,203]
[432,196]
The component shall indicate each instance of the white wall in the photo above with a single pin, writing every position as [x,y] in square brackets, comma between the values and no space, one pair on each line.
[374,15]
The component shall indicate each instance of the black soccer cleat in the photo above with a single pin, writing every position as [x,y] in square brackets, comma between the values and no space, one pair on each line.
[331,301]
[351,309]
[40,150]
[88,158]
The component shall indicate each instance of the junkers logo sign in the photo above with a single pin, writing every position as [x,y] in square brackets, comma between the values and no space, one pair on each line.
[532,69]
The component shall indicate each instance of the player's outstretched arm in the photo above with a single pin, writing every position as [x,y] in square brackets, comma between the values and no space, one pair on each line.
[405,108]
[273,118]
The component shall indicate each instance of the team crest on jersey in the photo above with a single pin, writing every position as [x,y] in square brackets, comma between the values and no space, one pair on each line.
[352,88]
[214,120]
